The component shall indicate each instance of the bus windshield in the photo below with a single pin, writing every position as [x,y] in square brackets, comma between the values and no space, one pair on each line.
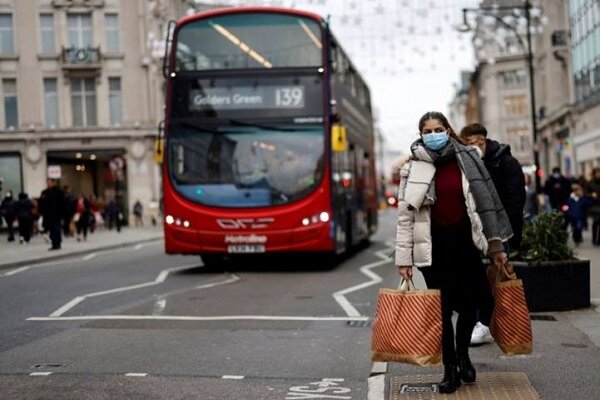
[247,165]
[249,40]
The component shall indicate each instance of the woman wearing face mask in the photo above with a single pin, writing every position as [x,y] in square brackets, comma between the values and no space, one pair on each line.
[449,212]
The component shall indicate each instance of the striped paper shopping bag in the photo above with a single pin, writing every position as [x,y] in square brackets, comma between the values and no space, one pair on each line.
[511,325]
[408,327]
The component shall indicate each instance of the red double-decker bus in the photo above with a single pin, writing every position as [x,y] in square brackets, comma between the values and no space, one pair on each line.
[269,143]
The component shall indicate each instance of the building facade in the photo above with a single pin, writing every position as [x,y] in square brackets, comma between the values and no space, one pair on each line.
[501,81]
[584,22]
[81,93]
[555,120]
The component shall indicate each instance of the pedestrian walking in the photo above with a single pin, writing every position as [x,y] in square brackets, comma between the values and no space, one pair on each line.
[24,211]
[593,190]
[7,209]
[51,207]
[138,213]
[449,212]
[576,213]
[508,179]
[113,215]
[69,208]
[558,189]
[83,217]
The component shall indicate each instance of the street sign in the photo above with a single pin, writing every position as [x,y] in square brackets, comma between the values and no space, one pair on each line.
[54,172]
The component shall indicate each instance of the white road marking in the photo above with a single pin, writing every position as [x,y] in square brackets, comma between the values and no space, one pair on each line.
[137,374]
[138,246]
[89,256]
[159,306]
[340,297]
[160,279]
[376,389]
[197,318]
[232,377]
[16,271]
[326,388]
[234,278]
[40,373]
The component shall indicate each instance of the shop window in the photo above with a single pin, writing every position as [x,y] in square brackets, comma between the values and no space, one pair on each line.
[10,174]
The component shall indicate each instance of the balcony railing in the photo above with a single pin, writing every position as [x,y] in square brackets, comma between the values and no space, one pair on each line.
[81,57]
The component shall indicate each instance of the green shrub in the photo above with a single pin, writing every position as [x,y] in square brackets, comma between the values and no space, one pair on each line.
[546,239]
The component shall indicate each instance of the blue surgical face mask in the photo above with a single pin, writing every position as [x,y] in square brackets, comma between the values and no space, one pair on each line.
[435,140]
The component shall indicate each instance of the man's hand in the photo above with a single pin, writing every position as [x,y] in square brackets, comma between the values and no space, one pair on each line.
[405,271]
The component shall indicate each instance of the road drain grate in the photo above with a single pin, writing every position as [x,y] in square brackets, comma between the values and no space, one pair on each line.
[359,324]
[574,345]
[48,365]
[535,317]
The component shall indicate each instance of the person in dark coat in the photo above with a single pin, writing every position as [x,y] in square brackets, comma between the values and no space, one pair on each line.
[576,213]
[593,191]
[507,175]
[8,212]
[24,209]
[52,202]
[509,181]
[69,210]
[83,217]
[558,189]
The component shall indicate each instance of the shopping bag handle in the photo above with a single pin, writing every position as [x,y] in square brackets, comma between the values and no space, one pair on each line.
[508,271]
[404,285]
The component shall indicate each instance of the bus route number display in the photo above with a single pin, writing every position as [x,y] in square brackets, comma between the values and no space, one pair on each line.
[247,97]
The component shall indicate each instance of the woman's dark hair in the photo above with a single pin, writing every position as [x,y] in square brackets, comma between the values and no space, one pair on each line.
[443,120]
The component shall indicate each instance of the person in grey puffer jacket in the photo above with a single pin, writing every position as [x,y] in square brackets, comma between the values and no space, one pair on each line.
[449,212]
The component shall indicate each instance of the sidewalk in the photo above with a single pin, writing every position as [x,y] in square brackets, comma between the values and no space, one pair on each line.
[13,254]
[564,363]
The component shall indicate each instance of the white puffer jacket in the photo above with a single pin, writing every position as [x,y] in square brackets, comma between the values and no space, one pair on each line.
[413,236]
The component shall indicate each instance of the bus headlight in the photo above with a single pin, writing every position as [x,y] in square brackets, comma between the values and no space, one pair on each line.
[305,221]
[324,216]
[169,219]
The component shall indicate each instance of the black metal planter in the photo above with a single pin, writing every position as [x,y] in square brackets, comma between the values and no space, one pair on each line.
[555,285]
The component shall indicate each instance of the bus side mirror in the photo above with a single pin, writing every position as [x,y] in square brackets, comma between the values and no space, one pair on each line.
[339,140]
[159,144]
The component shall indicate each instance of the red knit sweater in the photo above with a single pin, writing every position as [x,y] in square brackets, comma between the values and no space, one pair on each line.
[449,207]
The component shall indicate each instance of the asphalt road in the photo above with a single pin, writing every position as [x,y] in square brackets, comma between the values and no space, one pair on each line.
[134,323]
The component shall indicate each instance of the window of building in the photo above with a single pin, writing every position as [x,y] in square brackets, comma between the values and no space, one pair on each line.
[513,78]
[7,45]
[115,101]
[10,174]
[515,106]
[83,101]
[519,139]
[112,33]
[51,103]
[47,33]
[11,109]
[80,30]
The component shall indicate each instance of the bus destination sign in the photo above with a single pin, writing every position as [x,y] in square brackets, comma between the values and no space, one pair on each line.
[247,98]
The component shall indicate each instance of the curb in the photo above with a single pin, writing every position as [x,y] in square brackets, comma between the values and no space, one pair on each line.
[75,253]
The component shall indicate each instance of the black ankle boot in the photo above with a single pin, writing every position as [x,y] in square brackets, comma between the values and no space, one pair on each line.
[451,380]
[466,371]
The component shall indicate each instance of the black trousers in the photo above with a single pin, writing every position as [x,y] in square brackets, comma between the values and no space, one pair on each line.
[457,270]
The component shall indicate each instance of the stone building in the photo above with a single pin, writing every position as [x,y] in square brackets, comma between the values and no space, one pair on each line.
[81,95]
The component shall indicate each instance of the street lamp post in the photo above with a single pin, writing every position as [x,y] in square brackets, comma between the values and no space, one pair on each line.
[489,11]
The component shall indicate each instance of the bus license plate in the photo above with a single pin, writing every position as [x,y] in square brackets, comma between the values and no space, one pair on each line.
[246,248]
